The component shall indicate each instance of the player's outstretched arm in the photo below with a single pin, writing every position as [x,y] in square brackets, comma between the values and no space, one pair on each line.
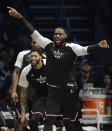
[81,50]
[101,44]
[13,12]
[42,41]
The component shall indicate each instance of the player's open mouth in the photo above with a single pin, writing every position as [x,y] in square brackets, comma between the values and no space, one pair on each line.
[58,41]
[33,61]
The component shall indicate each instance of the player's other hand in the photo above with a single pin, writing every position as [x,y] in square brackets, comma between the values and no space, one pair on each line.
[23,120]
[14,97]
[103,44]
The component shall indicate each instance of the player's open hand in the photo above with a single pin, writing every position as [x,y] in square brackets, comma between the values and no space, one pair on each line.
[13,12]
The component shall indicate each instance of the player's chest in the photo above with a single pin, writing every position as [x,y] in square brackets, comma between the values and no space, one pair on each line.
[61,54]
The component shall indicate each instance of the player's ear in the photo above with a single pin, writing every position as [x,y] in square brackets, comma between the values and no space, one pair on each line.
[40,57]
[65,35]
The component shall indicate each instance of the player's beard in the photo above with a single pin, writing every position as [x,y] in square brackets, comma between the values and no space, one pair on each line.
[61,43]
[37,62]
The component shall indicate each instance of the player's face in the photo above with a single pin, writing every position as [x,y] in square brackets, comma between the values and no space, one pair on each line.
[35,58]
[35,45]
[59,36]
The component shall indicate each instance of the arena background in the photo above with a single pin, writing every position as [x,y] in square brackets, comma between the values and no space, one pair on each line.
[86,22]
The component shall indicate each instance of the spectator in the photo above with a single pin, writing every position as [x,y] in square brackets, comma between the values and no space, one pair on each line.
[5,75]
[86,75]
[109,69]
[107,84]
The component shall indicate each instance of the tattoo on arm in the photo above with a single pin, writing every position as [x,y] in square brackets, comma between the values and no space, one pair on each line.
[15,78]
[23,99]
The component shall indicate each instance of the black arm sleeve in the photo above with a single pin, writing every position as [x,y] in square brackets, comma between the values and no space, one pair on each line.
[27,25]
[93,48]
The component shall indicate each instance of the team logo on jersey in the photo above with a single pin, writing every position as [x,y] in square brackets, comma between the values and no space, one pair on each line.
[57,54]
[71,91]
[41,79]
[32,75]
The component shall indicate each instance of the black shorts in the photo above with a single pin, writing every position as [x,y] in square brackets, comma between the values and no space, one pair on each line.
[64,100]
[35,103]
[38,107]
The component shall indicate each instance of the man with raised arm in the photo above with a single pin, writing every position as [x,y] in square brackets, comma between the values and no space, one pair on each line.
[63,95]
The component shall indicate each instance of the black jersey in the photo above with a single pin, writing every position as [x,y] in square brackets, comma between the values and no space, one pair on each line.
[60,59]
[34,78]
[60,64]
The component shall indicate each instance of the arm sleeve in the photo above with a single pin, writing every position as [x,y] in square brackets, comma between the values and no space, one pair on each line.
[93,48]
[42,41]
[30,29]
[78,50]
[23,81]
[19,61]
